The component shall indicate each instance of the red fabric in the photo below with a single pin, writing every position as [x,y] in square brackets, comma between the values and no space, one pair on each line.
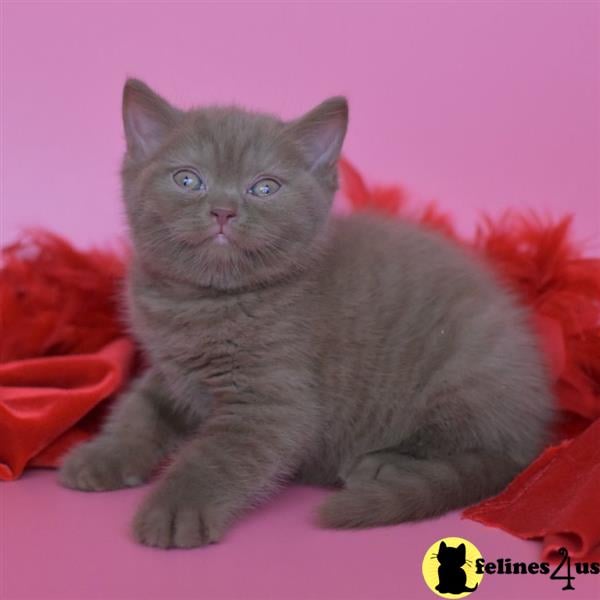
[63,351]
[556,499]
[63,354]
[43,402]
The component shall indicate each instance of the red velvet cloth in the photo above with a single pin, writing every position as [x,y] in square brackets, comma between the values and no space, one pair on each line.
[43,402]
[63,354]
[556,499]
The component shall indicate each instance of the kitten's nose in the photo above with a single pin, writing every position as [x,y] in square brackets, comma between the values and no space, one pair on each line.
[222,215]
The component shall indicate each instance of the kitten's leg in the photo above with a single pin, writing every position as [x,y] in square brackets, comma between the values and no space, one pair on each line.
[392,487]
[245,448]
[137,435]
[452,459]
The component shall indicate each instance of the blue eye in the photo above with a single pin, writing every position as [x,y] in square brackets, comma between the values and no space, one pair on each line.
[264,187]
[188,180]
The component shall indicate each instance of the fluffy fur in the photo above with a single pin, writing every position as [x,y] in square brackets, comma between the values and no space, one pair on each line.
[360,351]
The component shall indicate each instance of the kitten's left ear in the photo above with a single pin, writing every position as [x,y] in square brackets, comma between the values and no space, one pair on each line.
[147,119]
[320,132]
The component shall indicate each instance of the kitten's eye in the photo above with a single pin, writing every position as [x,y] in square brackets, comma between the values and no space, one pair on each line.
[188,180]
[264,187]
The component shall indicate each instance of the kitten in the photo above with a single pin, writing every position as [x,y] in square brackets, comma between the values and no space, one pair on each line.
[287,343]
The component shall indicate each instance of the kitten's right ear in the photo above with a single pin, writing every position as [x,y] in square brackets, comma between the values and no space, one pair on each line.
[147,119]
[442,546]
[320,132]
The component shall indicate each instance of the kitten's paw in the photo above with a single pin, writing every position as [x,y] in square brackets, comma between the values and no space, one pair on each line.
[101,466]
[343,510]
[378,466]
[372,504]
[173,520]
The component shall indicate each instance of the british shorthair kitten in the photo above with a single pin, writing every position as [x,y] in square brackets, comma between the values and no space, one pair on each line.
[287,343]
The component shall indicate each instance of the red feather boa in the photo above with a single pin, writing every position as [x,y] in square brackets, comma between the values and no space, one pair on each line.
[64,351]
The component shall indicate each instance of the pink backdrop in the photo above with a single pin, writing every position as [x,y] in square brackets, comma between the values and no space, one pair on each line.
[478,105]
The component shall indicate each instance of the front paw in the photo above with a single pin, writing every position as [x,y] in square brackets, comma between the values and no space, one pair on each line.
[173,517]
[102,465]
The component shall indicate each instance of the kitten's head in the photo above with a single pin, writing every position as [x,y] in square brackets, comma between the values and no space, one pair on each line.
[450,556]
[225,198]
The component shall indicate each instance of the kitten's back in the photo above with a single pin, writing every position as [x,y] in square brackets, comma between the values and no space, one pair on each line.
[405,319]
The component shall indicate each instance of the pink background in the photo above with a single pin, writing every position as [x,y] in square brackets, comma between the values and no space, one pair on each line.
[481,106]
[478,105]
[66,545]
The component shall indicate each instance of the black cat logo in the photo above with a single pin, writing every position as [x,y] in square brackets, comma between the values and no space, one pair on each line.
[453,579]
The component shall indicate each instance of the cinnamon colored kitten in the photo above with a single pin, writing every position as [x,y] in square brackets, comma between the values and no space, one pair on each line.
[288,343]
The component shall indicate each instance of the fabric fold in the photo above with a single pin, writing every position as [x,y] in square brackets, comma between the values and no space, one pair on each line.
[556,499]
[42,399]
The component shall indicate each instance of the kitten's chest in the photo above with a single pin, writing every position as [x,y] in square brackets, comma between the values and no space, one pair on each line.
[218,345]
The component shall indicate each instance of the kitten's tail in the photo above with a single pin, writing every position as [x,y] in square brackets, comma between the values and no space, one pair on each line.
[404,488]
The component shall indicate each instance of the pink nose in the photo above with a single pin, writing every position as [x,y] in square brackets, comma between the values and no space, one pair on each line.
[222,215]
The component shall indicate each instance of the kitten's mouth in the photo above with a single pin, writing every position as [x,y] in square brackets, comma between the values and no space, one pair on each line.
[216,237]
[220,239]
[221,235]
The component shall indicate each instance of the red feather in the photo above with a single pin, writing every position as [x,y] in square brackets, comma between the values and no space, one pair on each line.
[56,300]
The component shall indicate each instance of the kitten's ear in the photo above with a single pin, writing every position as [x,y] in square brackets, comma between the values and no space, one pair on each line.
[442,546]
[320,132]
[462,550]
[147,119]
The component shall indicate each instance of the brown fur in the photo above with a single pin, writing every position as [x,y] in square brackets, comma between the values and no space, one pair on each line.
[355,351]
